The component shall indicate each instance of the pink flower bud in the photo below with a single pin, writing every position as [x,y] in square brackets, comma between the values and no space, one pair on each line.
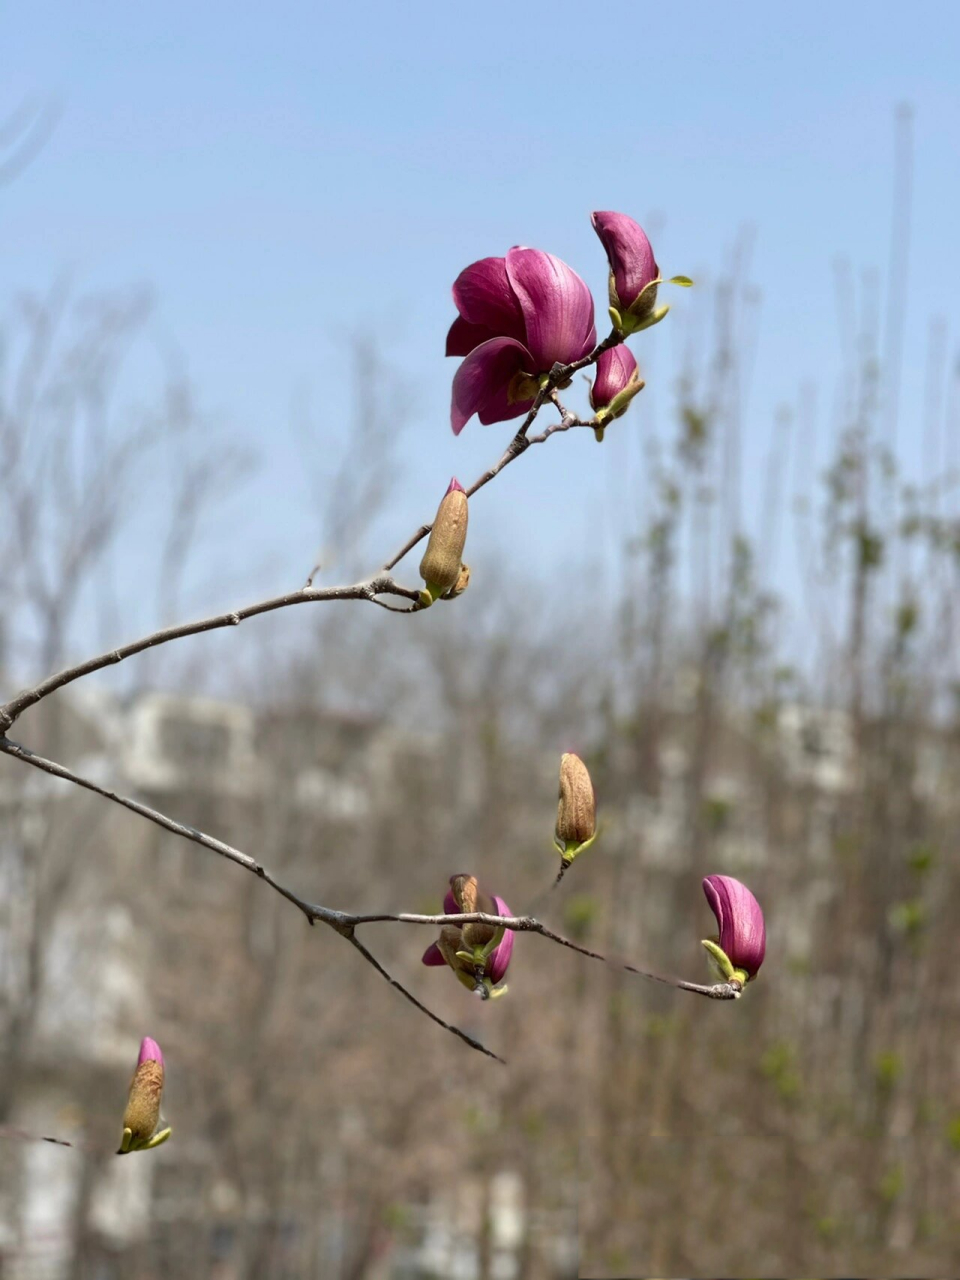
[142,1114]
[633,268]
[617,382]
[743,934]
[465,896]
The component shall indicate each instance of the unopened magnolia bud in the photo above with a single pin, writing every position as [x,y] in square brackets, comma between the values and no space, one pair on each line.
[442,560]
[470,897]
[143,1102]
[577,809]
[460,586]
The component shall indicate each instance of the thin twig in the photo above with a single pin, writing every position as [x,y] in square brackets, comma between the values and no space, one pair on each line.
[382,584]
[339,921]
[21,1135]
[447,1026]
[559,375]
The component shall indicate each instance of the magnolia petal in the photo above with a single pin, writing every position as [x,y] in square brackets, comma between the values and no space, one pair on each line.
[615,369]
[464,336]
[557,307]
[485,384]
[499,959]
[483,296]
[743,934]
[433,956]
[149,1051]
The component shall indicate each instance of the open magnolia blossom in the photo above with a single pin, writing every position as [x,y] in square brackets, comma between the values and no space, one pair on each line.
[519,316]
[737,953]
[478,954]
[141,1119]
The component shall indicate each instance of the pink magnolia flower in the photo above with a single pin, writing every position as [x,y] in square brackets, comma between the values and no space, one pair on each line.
[464,895]
[633,268]
[519,316]
[743,934]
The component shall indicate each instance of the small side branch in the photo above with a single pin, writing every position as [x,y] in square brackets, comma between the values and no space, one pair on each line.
[408,995]
[369,590]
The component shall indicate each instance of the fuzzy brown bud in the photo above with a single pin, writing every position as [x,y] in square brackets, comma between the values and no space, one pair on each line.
[442,561]
[143,1103]
[470,897]
[577,810]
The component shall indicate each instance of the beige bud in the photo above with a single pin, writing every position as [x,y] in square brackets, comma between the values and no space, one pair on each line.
[442,561]
[143,1103]
[577,810]
[470,897]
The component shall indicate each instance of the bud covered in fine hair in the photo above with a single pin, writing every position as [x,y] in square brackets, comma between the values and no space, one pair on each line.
[577,809]
[441,563]
[141,1119]
[478,954]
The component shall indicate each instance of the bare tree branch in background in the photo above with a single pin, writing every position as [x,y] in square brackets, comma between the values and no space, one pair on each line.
[24,133]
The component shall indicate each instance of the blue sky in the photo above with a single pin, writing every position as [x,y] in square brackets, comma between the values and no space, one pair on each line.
[283,176]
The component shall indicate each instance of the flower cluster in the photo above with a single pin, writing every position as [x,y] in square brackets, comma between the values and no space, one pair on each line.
[522,316]
[480,953]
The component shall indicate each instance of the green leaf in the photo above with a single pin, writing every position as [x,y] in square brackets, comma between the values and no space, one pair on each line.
[684,281]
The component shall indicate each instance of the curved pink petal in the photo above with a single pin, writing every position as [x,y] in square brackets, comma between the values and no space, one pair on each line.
[485,384]
[464,336]
[483,296]
[743,934]
[500,956]
[629,253]
[557,307]
[149,1051]
[615,368]
[433,956]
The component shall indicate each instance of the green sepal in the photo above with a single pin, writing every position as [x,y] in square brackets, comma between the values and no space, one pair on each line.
[598,433]
[683,281]
[653,318]
[129,1143]
[571,849]
[719,959]
[615,320]
[494,993]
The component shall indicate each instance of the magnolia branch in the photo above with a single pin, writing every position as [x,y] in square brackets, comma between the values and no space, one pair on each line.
[369,590]
[342,922]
